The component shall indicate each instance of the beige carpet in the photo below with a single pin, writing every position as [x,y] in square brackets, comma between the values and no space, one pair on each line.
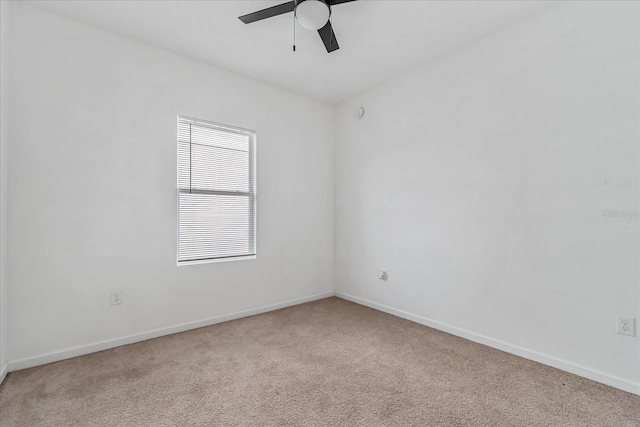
[326,363]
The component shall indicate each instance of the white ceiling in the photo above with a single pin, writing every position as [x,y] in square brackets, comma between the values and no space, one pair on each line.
[378,39]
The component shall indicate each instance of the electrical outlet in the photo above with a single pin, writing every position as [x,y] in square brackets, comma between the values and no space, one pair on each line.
[627,326]
[382,275]
[116,297]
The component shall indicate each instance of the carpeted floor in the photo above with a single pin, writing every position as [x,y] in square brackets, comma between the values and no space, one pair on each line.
[326,363]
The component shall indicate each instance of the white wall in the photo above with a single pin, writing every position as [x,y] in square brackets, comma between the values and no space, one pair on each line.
[92,206]
[4,116]
[479,182]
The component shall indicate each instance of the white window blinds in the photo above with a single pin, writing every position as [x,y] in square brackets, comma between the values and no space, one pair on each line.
[216,191]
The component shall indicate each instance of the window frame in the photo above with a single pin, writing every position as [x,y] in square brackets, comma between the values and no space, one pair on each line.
[251,194]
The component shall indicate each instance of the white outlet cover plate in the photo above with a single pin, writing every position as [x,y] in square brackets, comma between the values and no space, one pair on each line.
[626,326]
[116,297]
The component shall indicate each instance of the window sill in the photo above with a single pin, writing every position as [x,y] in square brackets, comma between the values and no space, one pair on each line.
[217,260]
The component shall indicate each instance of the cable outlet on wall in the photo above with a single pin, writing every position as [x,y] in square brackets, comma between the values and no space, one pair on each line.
[382,275]
[116,297]
[627,326]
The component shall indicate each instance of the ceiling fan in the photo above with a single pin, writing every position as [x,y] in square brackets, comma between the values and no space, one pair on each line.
[310,14]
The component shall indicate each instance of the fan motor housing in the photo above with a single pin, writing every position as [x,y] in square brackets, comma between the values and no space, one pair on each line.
[297,2]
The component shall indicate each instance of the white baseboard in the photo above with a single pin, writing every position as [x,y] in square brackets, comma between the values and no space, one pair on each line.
[3,372]
[70,352]
[536,356]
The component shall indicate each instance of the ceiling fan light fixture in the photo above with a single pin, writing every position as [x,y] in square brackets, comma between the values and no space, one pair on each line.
[312,14]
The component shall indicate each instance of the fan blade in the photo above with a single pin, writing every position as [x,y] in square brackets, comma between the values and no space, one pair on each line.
[335,2]
[268,12]
[328,37]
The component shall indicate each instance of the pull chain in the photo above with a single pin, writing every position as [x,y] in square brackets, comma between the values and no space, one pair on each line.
[190,158]
[294,31]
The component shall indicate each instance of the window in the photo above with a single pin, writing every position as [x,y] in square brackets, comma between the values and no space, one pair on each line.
[216,192]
